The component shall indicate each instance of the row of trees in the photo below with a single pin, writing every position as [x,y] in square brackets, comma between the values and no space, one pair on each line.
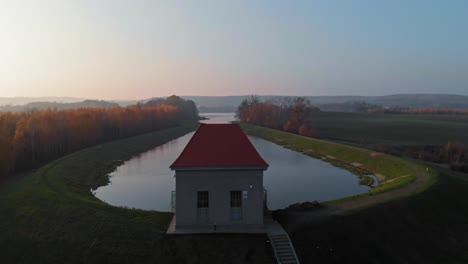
[433,111]
[32,138]
[186,108]
[352,106]
[289,114]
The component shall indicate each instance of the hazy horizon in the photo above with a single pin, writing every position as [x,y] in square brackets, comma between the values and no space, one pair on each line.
[130,50]
[239,95]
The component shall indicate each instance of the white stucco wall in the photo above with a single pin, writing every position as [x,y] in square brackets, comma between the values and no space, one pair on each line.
[219,183]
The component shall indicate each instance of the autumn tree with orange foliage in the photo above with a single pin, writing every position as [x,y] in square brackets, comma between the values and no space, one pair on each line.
[30,139]
[289,114]
[306,130]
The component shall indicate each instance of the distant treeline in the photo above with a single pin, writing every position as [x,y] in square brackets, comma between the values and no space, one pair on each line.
[293,115]
[354,106]
[364,107]
[29,139]
[345,103]
[436,111]
[453,153]
[56,105]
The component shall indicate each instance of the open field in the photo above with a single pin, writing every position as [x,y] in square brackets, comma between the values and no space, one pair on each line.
[398,129]
[50,216]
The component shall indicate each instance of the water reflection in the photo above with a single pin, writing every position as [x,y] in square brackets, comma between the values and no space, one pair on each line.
[218,118]
[146,181]
[294,177]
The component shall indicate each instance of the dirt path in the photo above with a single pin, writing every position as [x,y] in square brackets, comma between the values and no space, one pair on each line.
[294,219]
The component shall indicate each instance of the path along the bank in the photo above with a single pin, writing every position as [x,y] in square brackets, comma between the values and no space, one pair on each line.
[293,219]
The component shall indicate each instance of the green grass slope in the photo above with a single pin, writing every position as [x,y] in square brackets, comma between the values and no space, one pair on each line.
[51,216]
[425,227]
[396,171]
[430,227]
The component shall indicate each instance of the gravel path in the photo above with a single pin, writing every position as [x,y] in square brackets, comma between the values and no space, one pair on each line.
[294,219]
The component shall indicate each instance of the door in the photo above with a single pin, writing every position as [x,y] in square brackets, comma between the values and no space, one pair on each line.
[203,206]
[236,205]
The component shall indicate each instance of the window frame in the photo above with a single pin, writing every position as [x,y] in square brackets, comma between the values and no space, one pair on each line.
[236,205]
[203,199]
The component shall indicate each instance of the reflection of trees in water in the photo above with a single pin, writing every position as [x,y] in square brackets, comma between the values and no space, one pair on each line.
[215,118]
[292,177]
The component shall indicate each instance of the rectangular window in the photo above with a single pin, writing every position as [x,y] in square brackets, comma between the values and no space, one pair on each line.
[236,205]
[202,199]
[236,199]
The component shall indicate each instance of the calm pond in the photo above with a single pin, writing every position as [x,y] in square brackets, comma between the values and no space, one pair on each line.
[146,182]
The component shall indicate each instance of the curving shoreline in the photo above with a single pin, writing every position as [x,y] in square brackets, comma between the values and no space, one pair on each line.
[393,173]
[54,208]
[51,216]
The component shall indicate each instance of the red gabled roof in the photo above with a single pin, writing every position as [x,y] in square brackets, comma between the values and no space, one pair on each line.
[219,145]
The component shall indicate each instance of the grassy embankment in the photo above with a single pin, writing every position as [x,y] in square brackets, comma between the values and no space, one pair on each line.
[395,171]
[51,216]
[428,227]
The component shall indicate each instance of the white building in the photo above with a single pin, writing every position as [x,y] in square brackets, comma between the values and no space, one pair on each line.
[219,181]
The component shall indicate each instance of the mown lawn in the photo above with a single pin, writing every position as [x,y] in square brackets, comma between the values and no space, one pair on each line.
[51,216]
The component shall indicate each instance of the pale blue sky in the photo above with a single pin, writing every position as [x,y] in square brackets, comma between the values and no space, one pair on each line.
[115,49]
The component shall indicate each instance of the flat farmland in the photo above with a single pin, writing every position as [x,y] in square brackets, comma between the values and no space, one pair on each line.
[393,129]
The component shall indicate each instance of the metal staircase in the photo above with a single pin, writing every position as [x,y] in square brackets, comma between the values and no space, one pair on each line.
[279,239]
[283,249]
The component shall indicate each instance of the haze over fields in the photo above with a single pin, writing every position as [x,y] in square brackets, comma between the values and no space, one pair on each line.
[230,103]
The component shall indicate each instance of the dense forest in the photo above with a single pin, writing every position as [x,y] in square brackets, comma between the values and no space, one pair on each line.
[293,115]
[28,139]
